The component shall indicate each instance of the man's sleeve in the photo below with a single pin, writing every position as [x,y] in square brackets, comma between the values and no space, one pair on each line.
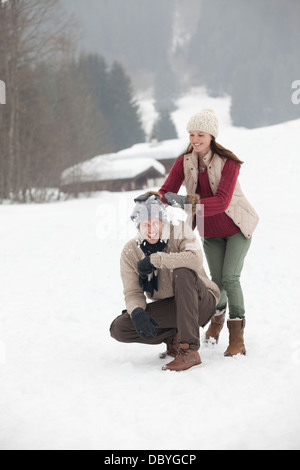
[133,293]
[188,252]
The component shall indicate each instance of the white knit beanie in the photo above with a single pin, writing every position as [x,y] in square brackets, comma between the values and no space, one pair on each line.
[152,208]
[205,121]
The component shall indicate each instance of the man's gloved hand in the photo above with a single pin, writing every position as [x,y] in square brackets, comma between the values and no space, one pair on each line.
[145,196]
[143,323]
[145,267]
[175,200]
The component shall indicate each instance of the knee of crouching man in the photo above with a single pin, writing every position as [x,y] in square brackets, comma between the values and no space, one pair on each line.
[181,275]
[120,327]
[114,330]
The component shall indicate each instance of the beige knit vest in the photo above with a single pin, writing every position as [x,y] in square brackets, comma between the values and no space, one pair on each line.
[239,209]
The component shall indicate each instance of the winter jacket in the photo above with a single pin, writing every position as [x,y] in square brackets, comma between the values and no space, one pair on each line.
[183,251]
[239,209]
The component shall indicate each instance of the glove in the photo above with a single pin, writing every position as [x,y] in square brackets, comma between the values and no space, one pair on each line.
[173,199]
[143,323]
[145,267]
[145,196]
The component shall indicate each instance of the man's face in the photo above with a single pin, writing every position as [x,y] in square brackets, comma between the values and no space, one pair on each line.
[151,230]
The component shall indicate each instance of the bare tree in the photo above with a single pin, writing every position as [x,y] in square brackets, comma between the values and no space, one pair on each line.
[29,32]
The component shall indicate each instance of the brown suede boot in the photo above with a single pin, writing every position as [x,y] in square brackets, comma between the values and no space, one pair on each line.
[215,327]
[172,348]
[236,337]
[186,359]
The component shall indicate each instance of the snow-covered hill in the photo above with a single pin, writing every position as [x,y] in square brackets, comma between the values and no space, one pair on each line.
[65,384]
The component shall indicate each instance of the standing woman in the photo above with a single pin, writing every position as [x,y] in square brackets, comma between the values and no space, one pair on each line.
[210,173]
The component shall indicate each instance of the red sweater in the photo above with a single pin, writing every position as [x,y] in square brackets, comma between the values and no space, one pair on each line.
[216,222]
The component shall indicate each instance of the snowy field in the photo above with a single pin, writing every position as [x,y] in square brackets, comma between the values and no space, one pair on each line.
[65,384]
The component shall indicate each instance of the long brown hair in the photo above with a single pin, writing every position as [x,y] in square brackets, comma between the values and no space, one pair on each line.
[220,150]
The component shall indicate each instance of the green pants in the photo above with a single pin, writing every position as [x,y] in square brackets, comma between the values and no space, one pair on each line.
[225,258]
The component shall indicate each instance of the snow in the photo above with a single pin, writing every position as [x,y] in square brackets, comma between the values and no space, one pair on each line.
[156,150]
[126,163]
[147,112]
[195,101]
[108,167]
[66,384]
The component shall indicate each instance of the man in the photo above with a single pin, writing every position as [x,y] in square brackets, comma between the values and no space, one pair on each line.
[164,262]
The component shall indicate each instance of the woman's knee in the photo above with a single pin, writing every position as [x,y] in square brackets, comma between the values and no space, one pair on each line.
[231,282]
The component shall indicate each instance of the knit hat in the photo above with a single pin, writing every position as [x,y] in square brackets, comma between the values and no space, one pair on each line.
[205,121]
[152,208]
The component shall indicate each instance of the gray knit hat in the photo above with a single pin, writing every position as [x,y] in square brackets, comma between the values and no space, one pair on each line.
[205,121]
[152,208]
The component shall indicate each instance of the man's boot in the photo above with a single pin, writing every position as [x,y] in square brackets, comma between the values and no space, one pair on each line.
[186,359]
[172,348]
[236,337]
[215,327]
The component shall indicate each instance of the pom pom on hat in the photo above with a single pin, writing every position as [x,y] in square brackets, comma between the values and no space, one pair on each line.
[205,121]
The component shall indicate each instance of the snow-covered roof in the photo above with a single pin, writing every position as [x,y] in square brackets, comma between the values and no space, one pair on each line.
[105,168]
[127,163]
[167,149]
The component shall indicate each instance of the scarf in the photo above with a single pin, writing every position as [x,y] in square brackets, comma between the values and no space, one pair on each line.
[150,284]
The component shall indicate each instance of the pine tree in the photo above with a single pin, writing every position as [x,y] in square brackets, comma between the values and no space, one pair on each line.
[164,127]
[112,94]
[122,111]
[166,88]
[95,70]
[95,74]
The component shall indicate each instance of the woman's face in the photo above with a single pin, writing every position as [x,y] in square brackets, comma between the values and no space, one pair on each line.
[200,142]
[151,230]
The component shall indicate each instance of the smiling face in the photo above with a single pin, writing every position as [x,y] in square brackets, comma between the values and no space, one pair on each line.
[151,230]
[200,142]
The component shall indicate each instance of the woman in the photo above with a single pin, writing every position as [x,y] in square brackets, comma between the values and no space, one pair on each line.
[210,173]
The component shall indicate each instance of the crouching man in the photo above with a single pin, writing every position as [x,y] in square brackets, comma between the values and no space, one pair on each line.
[165,264]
